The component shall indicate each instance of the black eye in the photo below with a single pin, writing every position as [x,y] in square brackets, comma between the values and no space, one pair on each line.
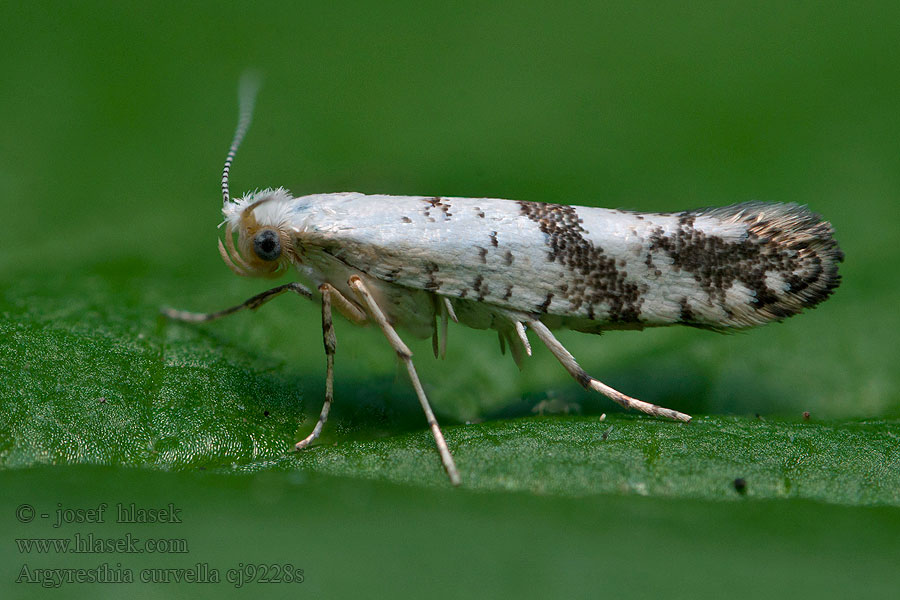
[266,245]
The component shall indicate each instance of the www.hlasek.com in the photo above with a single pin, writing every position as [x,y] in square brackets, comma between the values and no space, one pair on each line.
[90,544]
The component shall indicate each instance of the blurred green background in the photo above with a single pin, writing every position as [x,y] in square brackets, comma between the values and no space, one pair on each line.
[116,119]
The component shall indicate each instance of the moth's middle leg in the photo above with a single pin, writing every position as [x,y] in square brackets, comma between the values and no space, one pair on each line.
[357,285]
[355,315]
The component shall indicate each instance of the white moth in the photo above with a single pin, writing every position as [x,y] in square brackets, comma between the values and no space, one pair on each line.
[415,262]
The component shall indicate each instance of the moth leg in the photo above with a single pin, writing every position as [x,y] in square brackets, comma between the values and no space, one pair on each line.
[443,310]
[348,309]
[328,337]
[252,304]
[568,361]
[520,331]
[449,307]
[406,356]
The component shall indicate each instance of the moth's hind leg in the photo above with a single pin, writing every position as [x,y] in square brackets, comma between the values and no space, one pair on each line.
[568,361]
[252,304]
[354,314]
[406,356]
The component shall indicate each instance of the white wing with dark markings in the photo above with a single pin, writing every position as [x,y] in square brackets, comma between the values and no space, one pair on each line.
[591,268]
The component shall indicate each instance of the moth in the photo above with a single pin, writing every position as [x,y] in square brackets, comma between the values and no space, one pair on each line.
[414,263]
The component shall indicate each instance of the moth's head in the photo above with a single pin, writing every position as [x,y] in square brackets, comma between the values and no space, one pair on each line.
[259,219]
[264,237]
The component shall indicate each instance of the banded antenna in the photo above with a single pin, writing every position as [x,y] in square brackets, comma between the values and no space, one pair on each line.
[247,90]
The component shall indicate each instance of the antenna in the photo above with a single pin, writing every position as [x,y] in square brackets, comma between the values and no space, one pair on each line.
[247,90]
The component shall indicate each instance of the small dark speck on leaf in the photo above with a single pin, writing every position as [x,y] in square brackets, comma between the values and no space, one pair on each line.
[606,433]
[265,413]
[740,485]
[806,415]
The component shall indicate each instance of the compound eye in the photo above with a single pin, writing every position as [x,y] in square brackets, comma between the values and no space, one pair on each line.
[267,245]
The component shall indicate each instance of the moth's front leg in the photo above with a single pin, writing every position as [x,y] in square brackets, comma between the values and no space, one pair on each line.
[251,303]
[357,285]
[329,294]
